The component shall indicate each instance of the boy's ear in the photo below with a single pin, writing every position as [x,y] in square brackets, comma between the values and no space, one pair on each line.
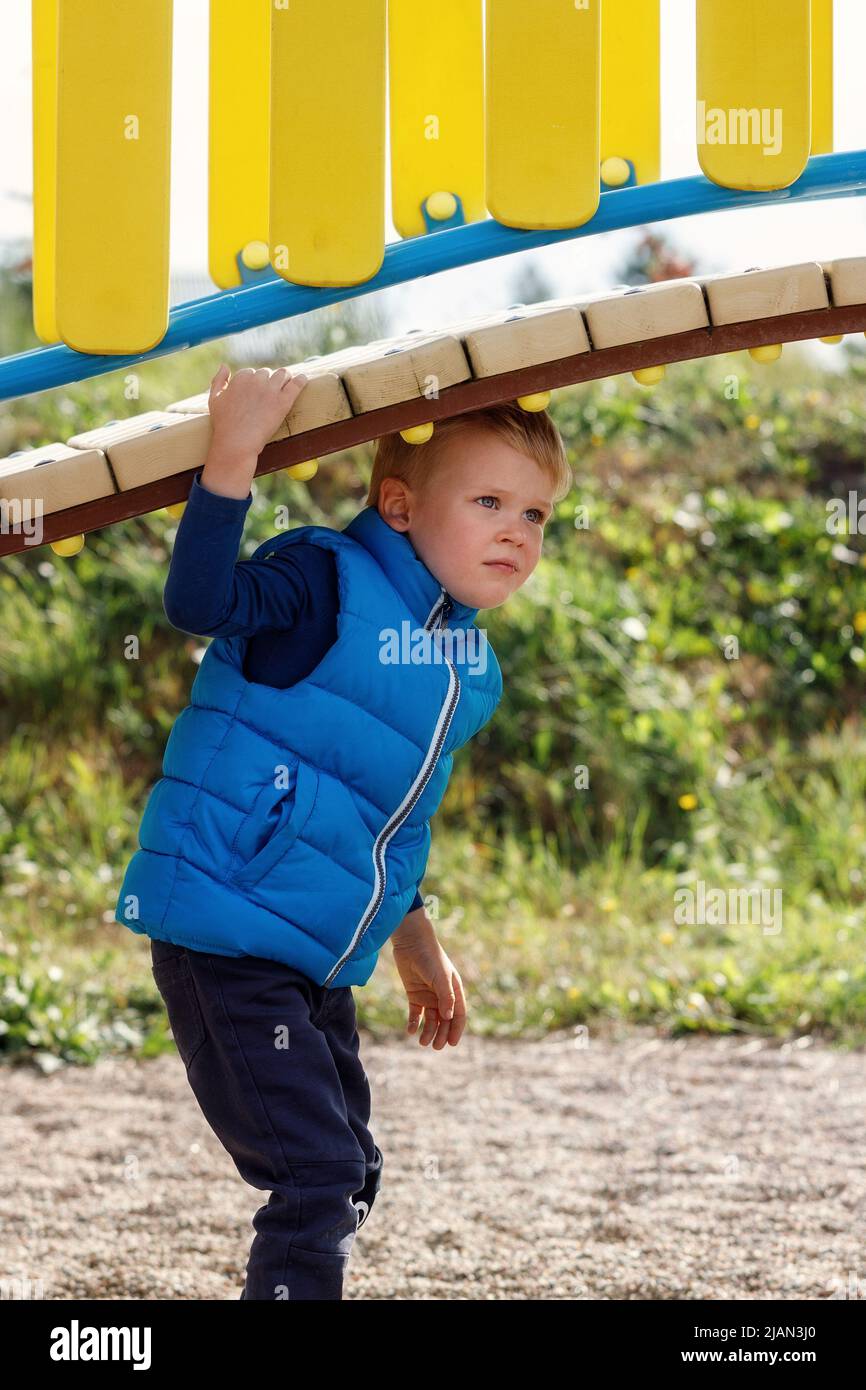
[393,505]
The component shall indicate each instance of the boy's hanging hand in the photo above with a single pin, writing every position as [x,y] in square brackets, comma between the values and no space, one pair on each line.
[433,987]
[245,410]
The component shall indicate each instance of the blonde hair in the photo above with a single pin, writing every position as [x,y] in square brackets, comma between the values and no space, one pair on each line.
[533,433]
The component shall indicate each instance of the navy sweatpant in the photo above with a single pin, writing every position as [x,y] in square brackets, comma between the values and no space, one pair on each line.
[273,1061]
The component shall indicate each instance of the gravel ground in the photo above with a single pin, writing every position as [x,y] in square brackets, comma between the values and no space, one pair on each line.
[580,1167]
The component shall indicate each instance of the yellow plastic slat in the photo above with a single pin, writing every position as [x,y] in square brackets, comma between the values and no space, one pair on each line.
[753,91]
[822,76]
[436,88]
[542,119]
[113,174]
[238,135]
[631,85]
[327,181]
[44,48]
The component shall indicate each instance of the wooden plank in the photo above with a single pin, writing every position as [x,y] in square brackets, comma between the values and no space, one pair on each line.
[471,395]
[847,279]
[526,336]
[423,365]
[323,401]
[436,92]
[765,291]
[542,66]
[645,311]
[150,446]
[327,180]
[753,91]
[113,164]
[55,477]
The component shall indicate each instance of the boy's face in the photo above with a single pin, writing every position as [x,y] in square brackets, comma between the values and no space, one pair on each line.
[485,502]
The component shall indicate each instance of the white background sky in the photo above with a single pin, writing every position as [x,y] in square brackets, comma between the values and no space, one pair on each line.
[720,241]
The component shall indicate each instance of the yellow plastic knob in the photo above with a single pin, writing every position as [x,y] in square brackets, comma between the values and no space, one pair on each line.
[417,434]
[649,376]
[176,509]
[441,206]
[834,338]
[70,545]
[303,471]
[770,352]
[615,171]
[256,255]
[540,400]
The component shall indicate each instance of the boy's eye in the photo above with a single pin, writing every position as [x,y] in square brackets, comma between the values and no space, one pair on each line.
[490,497]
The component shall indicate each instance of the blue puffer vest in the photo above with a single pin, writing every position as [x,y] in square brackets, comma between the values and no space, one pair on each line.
[294,824]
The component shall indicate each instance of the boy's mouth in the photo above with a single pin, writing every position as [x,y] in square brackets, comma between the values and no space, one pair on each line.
[506,566]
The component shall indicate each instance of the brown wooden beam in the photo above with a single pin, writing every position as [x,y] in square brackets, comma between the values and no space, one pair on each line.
[457,400]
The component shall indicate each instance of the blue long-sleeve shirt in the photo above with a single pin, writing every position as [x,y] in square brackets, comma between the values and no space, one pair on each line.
[287,605]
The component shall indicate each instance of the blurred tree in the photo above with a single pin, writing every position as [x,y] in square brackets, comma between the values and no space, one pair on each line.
[529,286]
[652,259]
[16,298]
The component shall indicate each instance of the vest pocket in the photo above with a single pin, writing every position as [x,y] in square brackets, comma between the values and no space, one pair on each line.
[292,809]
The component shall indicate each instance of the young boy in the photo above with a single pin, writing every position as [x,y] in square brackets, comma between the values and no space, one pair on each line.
[286,839]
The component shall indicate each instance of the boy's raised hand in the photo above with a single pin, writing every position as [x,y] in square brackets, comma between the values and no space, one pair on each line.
[245,412]
[247,408]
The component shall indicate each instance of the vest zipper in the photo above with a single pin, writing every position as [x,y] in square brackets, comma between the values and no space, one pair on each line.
[435,619]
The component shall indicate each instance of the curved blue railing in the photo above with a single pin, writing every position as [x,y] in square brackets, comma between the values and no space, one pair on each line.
[841,175]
